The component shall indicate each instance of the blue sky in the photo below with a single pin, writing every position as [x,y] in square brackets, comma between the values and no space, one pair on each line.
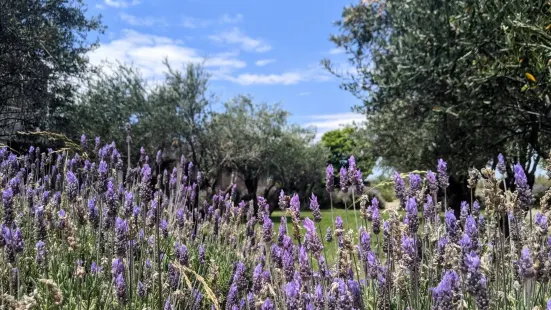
[268,49]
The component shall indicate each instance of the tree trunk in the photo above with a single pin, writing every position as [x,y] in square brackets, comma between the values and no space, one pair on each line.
[252,187]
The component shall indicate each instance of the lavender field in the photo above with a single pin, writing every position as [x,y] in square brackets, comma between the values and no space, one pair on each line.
[77,235]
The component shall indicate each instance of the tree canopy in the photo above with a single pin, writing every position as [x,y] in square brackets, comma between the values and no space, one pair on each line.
[462,80]
[345,142]
[42,54]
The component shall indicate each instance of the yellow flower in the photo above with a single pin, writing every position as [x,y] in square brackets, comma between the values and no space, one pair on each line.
[530,77]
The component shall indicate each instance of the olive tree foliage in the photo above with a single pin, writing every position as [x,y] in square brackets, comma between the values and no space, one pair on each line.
[256,142]
[42,56]
[169,115]
[345,142]
[463,80]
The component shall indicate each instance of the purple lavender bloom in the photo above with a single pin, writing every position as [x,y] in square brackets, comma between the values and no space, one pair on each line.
[466,244]
[329,178]
[304,264]
[372,265]
[525,198]
[94,268]
[267,230]
[315,207]
[282,231]
[400,189]
[526,265]
[292,291]
[408,250]
[470,226]
[120,286]
[83,143]
[359,182]
[448,292]
[339,225]
[501,164]
[277,256]
[159,158]
[414,184]
[319,298]
[312,242]
[173,277]
[231,299]
[117,267]
[355,293]
[111,199]
[443,178]
[288,264]
[62,216]
[180,217]
[121,236]
[429,210]
[7,200]
[257,278]
[102,176]
[343,298]
[167,303]
[294,205]
[40,224]
[164,228]
[549,304]
[328,234]
[145,189]
[411,215]
[267,305]
[40,252]
[72,186]
[541,223]
[365,245]
[475,209]
[343,180]
[282,202]
[128,203]
[464,211]
[183,257]
[451,226]
[376,223]
[239,278]
[433,184]
[201,254]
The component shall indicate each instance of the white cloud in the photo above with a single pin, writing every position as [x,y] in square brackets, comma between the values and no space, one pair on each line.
[121,3]
[236,37]
[287,78]
[291,77]
[100,6]
[193,23]
[147,21]
[263,62]
[147,52]
[328,122]
[228,19]
[336,51]
[304,93]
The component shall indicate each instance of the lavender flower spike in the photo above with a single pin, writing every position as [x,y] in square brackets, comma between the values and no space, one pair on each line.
[443,178]
[329,178]
[315,207]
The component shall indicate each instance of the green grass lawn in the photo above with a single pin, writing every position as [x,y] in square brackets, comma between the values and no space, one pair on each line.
[347,217]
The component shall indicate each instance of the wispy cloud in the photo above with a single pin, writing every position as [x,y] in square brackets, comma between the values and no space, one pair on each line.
[195,23]
[229,19]
[147,21]
[236,37]
[146,52]
[263,62]
[121,3]
[305,93]
[328,122]
[336,51]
